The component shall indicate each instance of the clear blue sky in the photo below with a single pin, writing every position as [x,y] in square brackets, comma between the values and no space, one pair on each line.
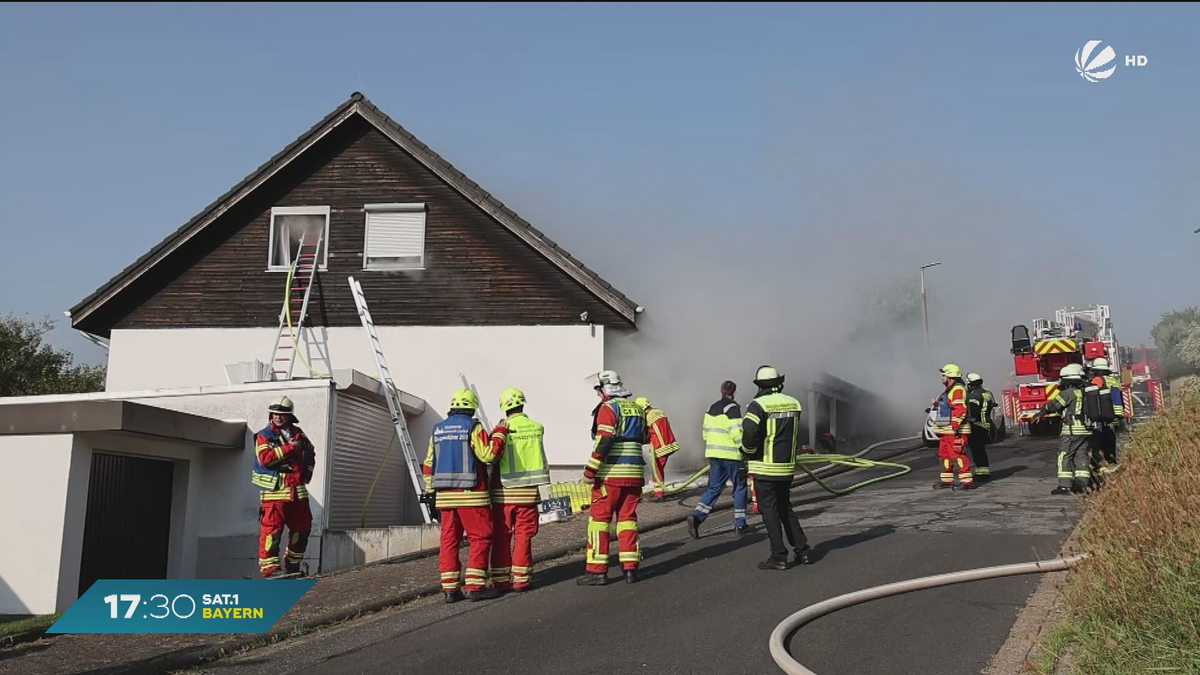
[874,135]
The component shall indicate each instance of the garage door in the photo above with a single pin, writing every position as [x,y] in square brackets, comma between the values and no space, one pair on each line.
[127,527]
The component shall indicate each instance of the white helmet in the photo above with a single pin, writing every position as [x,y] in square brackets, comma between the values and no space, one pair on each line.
[1100,363]
[607,377]
[1071,371]
[767,374]
[974,378]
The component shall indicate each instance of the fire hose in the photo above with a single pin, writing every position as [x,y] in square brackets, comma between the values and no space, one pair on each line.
[855,461]
[789,625]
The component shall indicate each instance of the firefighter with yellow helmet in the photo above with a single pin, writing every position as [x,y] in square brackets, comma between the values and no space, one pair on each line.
[950,424]
[662,443]
[455,471]
[520,455]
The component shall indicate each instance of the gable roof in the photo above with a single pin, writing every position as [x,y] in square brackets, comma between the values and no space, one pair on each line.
[359,105]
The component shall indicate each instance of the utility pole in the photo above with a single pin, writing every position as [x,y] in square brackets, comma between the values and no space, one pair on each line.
[924,308]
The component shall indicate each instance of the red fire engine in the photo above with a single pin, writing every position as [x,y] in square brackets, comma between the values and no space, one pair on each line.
[1075,336]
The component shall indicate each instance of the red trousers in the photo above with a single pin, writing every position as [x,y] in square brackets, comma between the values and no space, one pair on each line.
[659,465]
[513,529]
[954,459]
[608,500]
[476,521]
[272,516]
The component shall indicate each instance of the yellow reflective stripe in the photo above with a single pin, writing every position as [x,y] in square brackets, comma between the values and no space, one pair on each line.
[524,495]
[768,469]
[621,471]
[666,450]
[753,417]
[450,500]
[605,427]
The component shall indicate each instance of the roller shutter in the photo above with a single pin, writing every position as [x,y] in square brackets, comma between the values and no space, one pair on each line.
[362,431]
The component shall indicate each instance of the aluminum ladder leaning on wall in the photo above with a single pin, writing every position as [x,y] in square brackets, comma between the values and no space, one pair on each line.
[304,269]
[393,398]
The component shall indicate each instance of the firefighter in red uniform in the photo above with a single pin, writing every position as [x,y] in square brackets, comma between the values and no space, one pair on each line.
[950,425]
[521,466]
[617,472]
[456,483]
[662,443]
[284,460]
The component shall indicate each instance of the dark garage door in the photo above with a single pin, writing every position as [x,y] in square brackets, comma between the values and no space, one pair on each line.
[126,531]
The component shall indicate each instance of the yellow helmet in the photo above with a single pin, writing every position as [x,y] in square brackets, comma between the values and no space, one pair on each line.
[642,402]
[952,371]
[464,399]
[511,398]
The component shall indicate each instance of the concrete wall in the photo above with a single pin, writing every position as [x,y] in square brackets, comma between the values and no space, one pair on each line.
[33,499]
[549,363]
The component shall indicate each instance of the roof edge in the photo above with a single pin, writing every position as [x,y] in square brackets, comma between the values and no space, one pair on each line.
[357,104]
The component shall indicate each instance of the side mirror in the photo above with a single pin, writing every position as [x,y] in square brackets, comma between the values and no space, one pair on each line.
[928,409]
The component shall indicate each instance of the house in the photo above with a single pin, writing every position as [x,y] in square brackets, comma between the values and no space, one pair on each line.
[462,293]
[462,290]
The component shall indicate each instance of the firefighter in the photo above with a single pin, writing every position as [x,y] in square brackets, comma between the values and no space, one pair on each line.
[616,471]
[950,425]
[1076,437]
[284,460]
[456,484]
[770,438]
[722,433]
[662,443]
[1106,441]
[521,466]
[979,417]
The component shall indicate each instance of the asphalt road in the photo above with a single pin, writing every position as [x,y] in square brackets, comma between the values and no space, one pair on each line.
[704,607]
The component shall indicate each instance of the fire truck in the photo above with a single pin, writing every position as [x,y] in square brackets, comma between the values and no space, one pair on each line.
[1076,335]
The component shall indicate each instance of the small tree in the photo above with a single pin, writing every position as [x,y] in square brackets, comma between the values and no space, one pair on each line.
[29,367]
[1189,349]
[1169,335]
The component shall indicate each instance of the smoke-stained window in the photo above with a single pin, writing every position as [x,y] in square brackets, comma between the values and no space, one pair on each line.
[292,226]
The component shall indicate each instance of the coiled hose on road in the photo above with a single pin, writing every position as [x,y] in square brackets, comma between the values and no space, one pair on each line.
[855,461]
[789,625]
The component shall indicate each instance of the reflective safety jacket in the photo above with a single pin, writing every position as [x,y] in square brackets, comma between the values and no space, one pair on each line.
[722,430]
[283,463]
[979,408]
[456,462]
[771,435]
[521,466]
[662,438]
[951,411]
[1069,401]
[621,432]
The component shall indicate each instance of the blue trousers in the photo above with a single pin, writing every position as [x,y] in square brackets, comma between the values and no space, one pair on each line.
[720,471]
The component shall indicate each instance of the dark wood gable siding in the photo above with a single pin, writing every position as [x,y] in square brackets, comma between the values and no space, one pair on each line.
[476,271]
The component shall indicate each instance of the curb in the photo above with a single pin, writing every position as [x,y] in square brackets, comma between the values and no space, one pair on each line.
[181,660]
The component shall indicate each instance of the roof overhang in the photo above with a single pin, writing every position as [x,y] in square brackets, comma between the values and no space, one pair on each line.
[68,417]
[358,383]
[360,106]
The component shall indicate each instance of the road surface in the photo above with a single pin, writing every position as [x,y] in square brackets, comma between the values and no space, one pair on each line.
[703,606]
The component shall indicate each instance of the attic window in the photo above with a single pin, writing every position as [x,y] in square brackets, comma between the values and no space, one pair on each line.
[291,223]
[395,237]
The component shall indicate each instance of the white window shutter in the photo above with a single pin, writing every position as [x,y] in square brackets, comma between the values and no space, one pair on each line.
[396,234]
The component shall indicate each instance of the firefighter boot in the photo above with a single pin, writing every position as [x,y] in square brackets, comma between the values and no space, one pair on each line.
[590,579]
[489,593]
[1060,490]
[631,576]
[453,596]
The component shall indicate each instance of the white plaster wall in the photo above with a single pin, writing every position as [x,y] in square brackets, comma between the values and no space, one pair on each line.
[549,363]
[35,473]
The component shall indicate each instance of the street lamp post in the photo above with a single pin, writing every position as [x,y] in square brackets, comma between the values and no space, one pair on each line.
[924,309]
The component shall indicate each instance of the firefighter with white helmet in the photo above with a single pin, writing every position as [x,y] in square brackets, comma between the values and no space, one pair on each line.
[521,466]
[770,439]
[950,424]
[980,403]
[1106,438]
[284,460]
[1076,437]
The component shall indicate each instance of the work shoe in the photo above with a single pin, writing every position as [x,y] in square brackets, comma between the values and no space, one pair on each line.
[453,596]
[693,526]
[773,564]
[940,485]
[742,530]
[631,576]
[1060,490]
[485,594]
[804,555]
[591,579]
[967,486]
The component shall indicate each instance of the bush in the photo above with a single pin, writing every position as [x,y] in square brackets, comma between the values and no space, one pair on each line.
[1136,601]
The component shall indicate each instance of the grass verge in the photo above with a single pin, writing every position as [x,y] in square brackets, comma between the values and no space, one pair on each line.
[1134,606]
[18,626]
